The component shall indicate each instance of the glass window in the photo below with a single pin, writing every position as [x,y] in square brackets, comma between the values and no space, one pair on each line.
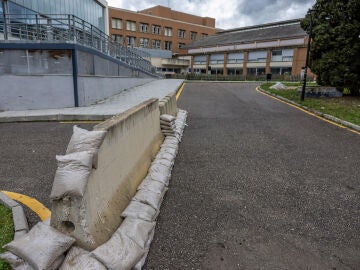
[168,31]
[131,41]
[130,25]
[144,42]
[168,45]
[156,44]
[144,27]
[193,35]
[116,23]
[181,33]
[156,29]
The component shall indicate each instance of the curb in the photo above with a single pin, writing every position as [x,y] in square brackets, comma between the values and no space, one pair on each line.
[21,226]
[323,115]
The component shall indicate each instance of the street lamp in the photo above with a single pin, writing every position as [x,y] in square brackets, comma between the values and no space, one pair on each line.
[307,57]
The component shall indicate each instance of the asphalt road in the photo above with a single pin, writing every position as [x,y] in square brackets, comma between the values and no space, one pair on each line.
[27,158]
[258,184]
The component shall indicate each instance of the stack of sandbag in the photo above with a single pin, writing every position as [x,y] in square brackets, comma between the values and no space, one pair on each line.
[75,167]
[42,247]
[167,125]
[180,122]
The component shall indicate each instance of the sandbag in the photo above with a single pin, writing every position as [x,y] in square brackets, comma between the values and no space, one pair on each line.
[138,230]
[15,261]
[154,186]
[142,261]
[139,210]
[85,140]
[167,118]
[41,246]
[163,161]
[166,123]
[119,252]
[167,150]
[148,197]
[72,175]
[159,172]
[80,259]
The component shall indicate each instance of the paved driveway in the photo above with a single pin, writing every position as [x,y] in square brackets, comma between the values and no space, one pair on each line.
[258,185]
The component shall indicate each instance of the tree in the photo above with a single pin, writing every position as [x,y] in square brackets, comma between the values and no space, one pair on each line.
[335,44]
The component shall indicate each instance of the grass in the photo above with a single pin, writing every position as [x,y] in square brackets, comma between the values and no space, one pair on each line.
[6,232]
[346,108]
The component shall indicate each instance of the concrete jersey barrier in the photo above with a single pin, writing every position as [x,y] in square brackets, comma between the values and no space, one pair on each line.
[131,141]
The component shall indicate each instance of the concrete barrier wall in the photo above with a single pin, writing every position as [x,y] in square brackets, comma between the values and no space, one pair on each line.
[36,92]
[95,88]
[132,140]
[168,105]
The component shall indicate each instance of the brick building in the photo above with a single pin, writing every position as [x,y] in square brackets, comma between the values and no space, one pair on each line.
[158,27]
[278,48]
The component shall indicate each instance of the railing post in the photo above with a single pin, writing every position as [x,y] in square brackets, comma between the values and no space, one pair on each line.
[37,27]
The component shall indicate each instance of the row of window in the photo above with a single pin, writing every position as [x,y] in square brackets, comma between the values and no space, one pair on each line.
[155,29]
[284,55]
[250,71]
[145,42]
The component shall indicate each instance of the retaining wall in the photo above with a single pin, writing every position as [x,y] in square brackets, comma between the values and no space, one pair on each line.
[132,140]
[168,105]
[29,92]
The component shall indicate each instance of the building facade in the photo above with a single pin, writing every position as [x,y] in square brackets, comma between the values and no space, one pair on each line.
[158,27]
[91,11]
[276,48]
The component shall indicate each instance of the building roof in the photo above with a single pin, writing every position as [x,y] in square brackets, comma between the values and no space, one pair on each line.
[271,31]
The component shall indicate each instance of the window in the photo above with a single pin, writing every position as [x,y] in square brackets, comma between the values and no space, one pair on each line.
[116,23]
[130,25]
[168,45]
[193,35]
[156,44]
[181,45]
[130,41]
[156,29]
[116,38]
[144,42]
[204,35]
[181,33]
[200,60]
[257,56]
[216,59]
[285,55]
[168,32]
[144,28]
[234,58]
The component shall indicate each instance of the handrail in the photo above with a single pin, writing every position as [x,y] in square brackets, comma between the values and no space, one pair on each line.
[70,28]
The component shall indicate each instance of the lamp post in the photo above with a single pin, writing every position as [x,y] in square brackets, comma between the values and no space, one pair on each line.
[307,57]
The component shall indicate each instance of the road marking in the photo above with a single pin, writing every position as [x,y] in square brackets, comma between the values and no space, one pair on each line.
[82,122]
[32,203]
[310,113]
[180,91]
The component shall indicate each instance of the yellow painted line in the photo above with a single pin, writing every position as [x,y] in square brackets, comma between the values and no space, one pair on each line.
[81,122]
[32,203]
[180,91]
[307,112]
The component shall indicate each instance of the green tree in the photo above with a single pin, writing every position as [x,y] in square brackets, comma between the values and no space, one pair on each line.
[335,44]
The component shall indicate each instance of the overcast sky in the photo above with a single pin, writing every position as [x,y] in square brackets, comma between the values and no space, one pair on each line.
[229,13]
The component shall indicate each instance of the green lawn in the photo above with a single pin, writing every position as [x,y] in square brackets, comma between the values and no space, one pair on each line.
[346,108]
[6,232]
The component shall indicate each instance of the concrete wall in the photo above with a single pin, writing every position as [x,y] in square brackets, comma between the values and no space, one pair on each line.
[94,88]
[36,92]
[168,105]
[132,140]
[56,91]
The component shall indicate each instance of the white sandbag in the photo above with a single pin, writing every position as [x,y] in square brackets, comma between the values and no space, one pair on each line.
[41,246]
[139,210]
[169,124]
[15,261]
[163,161]
[142,261]
[80,259]
[151,185]
[167,144]
[168,150]
[119,252]
[163,127]
[138,230]
[72,175]
[278,86]
[148,197]
[85,140]
[167,118]
[159,172]
[163,154]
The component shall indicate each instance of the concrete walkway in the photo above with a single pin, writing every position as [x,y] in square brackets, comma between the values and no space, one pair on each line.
[102,110]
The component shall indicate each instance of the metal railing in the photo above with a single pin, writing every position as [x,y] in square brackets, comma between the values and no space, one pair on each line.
[70,29]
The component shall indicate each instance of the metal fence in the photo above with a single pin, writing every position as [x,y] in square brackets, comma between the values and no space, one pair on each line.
[70,29]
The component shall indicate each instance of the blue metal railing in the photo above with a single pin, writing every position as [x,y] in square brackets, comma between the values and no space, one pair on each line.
[69,28]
